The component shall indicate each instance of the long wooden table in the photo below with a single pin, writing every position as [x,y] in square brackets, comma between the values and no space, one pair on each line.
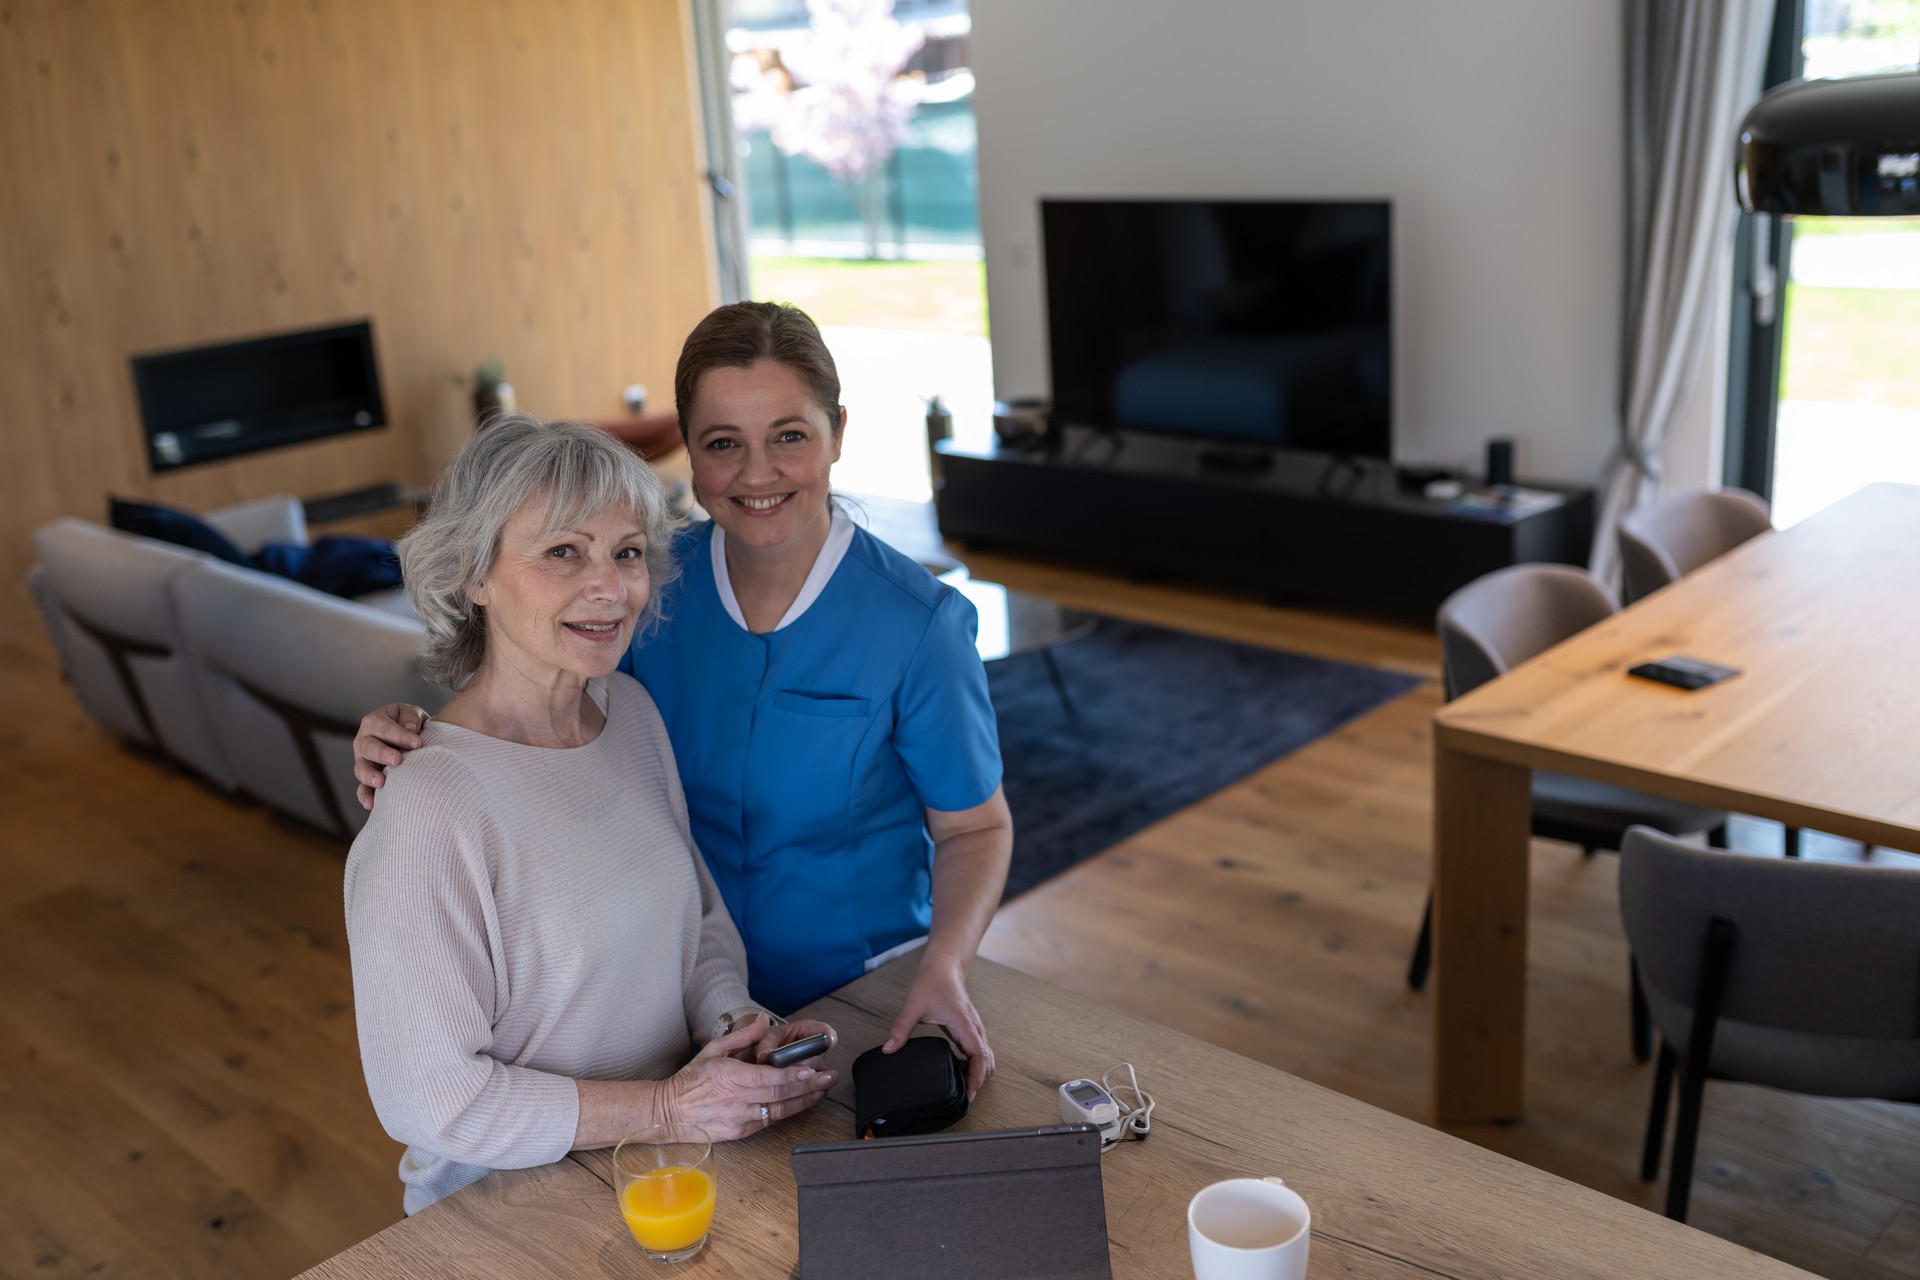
[1820,731]
[1390,1198]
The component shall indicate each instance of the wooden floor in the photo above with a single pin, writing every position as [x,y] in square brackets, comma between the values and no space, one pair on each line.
[180,1093]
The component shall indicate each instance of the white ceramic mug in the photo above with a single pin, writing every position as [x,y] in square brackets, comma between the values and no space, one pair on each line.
[1249,1229]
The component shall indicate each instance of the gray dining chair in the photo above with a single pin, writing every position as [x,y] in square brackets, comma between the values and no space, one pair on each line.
[1495,623]
[1670,537]
[1803,976]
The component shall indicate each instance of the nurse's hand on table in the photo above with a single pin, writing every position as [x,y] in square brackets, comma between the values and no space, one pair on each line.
[385,737]
[939,997]
[723,1095]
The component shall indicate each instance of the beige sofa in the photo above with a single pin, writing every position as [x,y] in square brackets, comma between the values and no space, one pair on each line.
[250,680]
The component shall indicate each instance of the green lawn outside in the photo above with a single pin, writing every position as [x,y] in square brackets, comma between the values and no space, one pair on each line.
[1855,227]
[934,297]
[1852,346]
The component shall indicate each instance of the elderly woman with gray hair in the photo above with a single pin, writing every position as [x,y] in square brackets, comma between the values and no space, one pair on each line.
[537,945]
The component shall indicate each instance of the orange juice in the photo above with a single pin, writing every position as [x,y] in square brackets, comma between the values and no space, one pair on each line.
[669,1209]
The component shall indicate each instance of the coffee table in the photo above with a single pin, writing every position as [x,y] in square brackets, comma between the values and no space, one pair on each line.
[1013,623]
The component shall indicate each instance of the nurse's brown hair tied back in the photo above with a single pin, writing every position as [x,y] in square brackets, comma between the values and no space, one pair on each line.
[739,334]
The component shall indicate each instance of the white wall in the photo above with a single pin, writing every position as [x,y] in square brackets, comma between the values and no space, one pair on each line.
[1493,125]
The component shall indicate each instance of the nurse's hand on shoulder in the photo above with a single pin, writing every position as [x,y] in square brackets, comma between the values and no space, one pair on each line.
[724,1095]
[384,738]
[938,997]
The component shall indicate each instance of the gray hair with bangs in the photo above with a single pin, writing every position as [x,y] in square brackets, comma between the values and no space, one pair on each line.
[575,471]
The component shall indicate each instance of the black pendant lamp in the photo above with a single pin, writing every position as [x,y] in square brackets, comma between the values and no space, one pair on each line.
[1833,148]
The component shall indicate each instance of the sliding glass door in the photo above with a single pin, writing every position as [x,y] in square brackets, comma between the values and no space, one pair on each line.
[852,191]
[1826,391]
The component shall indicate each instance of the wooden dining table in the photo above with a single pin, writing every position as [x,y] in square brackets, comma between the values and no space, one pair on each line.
[1390,1198]
[1820,730]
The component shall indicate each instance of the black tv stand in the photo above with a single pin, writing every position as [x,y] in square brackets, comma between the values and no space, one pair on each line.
[1285,529]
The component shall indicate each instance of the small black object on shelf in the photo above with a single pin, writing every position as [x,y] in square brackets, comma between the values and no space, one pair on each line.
[1026,424]
[1499,463]
[939,427]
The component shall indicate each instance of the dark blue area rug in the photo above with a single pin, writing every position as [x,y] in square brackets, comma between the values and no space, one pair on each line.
[1164,720]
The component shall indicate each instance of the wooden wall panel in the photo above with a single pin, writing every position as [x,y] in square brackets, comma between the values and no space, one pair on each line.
[482,177]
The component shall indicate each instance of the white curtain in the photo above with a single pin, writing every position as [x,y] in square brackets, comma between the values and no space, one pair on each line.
[1693,67]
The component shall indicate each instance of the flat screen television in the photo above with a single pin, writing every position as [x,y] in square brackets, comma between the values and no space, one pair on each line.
[205,403]
[1250,323]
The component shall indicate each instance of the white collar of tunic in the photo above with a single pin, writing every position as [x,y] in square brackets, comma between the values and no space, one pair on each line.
[839,538]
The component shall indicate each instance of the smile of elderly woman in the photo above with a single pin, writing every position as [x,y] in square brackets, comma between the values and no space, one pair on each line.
[537,945]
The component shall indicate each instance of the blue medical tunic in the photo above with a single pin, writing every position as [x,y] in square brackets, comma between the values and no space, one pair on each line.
[808,754]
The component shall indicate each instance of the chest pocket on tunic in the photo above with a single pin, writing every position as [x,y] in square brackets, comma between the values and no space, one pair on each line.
[816,738]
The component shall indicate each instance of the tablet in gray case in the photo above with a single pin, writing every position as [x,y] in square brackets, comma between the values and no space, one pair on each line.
[1025,1204]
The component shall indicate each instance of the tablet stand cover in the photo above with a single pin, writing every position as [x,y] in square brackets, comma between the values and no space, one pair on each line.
[1020,1205]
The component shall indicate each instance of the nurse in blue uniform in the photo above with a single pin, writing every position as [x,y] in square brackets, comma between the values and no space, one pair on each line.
[825,701]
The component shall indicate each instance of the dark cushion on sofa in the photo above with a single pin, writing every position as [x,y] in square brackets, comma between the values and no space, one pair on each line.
[338,565]
[170,524]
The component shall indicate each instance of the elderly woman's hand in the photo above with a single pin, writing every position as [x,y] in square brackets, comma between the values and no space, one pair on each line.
[732,1099]
[781,1033]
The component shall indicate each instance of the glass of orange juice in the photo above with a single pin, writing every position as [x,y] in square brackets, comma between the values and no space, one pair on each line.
[663,1176]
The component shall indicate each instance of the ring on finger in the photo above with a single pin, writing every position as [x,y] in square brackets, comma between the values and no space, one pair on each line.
[766,1115]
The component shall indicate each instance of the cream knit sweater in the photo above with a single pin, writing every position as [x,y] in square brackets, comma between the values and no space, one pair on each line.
[522,917]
